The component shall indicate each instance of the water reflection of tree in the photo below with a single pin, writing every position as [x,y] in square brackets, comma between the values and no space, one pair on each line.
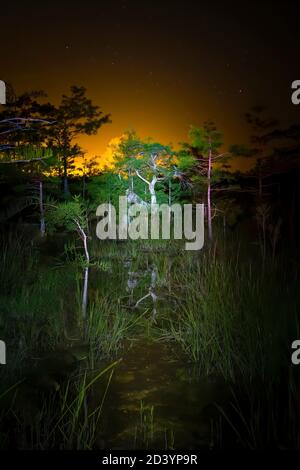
[133,281]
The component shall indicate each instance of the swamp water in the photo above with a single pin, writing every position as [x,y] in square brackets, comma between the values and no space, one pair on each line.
[154,402]
[155,398]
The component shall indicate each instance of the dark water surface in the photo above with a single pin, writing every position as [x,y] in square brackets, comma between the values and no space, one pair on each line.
[157,401]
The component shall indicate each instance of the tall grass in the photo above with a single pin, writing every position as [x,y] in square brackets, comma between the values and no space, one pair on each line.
[108,325]
[230,316]
[238,321]
[233,318]
[17,256]
[34,318]
[65,420]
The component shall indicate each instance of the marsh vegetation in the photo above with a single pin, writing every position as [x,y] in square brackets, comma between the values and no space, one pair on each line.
[176,349]
[141,343]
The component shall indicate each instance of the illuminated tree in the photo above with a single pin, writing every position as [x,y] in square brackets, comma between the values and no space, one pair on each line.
[72,216]
[149,162]
[204,146]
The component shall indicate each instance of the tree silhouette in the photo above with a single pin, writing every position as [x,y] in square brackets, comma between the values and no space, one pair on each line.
[76,115]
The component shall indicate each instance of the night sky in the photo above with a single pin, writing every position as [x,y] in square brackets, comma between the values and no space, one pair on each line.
[157,66]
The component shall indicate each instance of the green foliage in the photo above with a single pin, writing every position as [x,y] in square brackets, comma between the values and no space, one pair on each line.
[185,159]
[205,138]
[138,160]
[65,214]
[28,153]
[106,188]
[203,163]
[135,154]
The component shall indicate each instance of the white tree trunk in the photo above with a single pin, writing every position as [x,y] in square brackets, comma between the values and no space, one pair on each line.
[151,185]
[152,190]
[83,237]
[85,292]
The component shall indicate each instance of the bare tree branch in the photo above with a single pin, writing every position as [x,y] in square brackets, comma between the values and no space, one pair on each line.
[142,178]
[40,159]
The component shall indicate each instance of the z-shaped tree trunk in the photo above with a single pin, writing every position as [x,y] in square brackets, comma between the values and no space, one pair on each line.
[151,185]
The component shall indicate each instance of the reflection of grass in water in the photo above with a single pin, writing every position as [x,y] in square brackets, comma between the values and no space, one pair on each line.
[144,434]
[169,439]
[135,249]
[149,432]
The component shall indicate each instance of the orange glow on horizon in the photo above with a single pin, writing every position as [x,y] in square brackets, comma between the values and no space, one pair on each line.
[104,161]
